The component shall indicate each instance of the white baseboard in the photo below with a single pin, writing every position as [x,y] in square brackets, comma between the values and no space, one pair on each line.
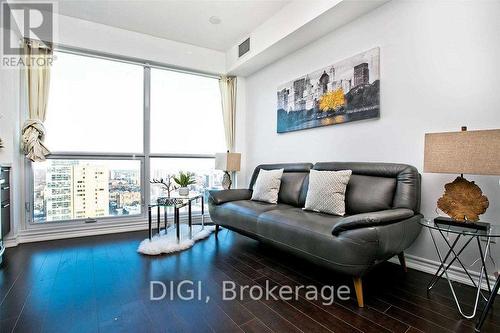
[431,266]
[46,234]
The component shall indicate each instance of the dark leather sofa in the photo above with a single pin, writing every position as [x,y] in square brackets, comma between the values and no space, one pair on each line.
[381,221]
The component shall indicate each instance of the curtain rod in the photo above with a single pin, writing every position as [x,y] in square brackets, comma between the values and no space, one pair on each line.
[29,42]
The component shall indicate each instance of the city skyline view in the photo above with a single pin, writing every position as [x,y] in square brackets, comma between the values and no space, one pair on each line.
[78,189]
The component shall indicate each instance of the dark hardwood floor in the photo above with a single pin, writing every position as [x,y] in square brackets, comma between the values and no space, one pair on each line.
[102,284]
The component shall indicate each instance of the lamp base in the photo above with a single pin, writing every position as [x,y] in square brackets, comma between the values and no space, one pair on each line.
[226,181]
[463,200]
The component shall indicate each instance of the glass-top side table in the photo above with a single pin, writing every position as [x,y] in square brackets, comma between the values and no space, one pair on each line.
[177,202]
[472,234]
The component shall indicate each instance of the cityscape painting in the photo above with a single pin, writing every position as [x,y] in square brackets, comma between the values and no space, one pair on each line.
[346,91]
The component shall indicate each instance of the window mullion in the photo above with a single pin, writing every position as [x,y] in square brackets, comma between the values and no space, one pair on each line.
[147,137]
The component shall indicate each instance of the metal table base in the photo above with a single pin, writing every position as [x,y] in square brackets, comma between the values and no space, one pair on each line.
[176,208]
[455,256]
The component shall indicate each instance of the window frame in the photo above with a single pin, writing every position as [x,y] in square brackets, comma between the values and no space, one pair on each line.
[145,157]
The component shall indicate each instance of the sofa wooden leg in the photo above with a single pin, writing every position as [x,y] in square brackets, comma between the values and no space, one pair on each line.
[402,261]
[358,287]
[217,231]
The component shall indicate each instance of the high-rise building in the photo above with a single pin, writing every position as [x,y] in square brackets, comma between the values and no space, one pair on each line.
[90,191]
[361,74]
[128,199]
[59,190]
[76,191]
[299,87]
[345,85]
[323,82]
[283,99]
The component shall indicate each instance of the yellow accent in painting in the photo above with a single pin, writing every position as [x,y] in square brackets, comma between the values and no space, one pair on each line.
[332,100]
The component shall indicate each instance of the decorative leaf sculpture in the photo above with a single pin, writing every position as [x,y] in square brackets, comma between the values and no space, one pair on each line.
[463,200]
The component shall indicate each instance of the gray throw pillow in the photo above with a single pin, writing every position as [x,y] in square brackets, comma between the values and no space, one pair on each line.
[267,186]
[326,192]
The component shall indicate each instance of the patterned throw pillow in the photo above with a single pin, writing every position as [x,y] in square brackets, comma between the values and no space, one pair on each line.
[267,186]
[326,192]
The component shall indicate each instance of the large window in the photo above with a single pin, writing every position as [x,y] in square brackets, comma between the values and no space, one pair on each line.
[186,116]
[103,136]
[94,105]
[80,189]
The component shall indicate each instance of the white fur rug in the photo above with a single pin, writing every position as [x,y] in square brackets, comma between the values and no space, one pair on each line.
[167,243]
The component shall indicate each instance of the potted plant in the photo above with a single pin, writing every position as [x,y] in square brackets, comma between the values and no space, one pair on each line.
[184,180]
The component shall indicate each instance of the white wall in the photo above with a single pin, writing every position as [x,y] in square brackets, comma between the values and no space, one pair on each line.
[9,99]
[241,138]
[9,129]
[439,71]
[278,27]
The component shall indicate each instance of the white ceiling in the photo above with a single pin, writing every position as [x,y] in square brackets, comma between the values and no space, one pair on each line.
[183,21]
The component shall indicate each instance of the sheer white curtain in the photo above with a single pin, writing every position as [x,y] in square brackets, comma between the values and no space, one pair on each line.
[37,68]
[228,94]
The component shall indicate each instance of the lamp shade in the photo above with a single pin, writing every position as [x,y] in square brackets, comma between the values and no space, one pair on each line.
[228,161]
[465,152]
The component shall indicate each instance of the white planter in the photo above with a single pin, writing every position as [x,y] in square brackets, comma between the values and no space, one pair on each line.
[183,190]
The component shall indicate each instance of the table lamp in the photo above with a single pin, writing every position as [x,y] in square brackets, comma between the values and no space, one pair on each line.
[464,152]
[228,162]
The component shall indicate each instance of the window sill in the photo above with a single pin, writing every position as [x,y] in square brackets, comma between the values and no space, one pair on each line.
[36,233]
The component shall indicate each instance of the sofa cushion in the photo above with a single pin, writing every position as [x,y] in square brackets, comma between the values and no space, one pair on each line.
[243,214]
[326,191]
[299,219]
[267,186]
[369,194]
[294,175]
[291,188]
[406,192]
[311,233]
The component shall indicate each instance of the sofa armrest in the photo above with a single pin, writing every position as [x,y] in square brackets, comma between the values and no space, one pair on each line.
[220,197]
[372,219]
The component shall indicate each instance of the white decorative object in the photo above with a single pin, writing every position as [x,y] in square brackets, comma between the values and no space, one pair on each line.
[184,191]
[326,192]
[167,242]
[267,186]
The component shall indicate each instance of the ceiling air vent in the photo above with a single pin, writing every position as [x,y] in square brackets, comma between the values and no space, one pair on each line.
[244,47]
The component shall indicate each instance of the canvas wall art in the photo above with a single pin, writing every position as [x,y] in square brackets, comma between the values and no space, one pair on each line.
[348,90]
